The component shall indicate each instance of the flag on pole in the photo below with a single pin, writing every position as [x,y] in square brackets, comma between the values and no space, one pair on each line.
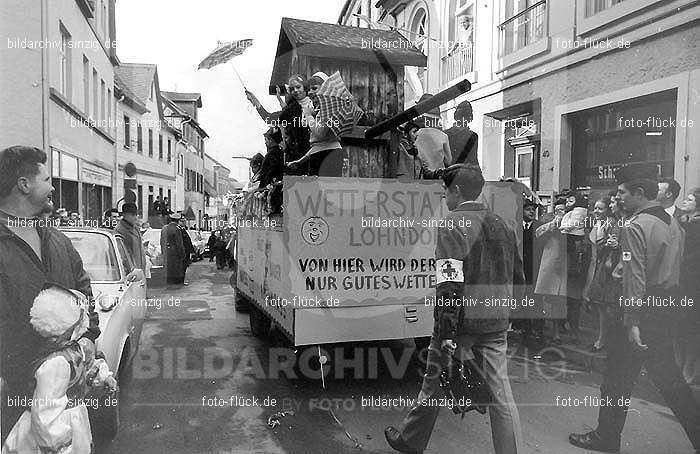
[225,52]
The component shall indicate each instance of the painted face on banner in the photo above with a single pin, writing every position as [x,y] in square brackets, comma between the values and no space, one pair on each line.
[314,230]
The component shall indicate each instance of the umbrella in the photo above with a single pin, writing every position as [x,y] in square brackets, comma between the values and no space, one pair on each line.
[337,107]
[225,52]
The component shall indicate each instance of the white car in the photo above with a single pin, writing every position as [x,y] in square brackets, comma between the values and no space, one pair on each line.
[120,301]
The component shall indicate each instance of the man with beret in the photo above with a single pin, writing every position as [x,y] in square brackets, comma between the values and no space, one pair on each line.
[652,246]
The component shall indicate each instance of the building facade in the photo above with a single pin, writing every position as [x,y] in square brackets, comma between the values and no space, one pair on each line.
[180,112]
[217,184]
[563,92]
[60,98]
[145,139]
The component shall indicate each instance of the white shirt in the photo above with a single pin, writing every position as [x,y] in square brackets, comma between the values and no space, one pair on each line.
[671,210]
[433,148]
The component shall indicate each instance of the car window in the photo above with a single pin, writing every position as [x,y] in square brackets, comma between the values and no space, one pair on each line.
[98,254]
[126,258]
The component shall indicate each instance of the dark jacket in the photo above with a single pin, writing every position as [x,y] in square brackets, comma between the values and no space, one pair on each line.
[22,276]
[477,260]
[690,264]
[464,144]
[272,167]
[187,243]
[133,242]
[298,135]
[173,250]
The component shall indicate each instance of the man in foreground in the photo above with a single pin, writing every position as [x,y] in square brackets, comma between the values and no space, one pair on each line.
[652,246]
[477,261]
[31,254]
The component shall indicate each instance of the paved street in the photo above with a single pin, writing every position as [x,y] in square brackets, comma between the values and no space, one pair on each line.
[203,384]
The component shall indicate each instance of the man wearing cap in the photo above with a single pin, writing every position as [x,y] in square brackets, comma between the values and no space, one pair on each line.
[472,263]
[173,250]
[131,233]
[432,143]
[652,246]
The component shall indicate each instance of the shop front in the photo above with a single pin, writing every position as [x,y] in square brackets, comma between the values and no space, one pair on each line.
[65,181]
[97,190]
[641,129]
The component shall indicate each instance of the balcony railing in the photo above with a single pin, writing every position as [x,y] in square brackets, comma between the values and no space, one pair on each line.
[458,62]
[523,29]
[596,6]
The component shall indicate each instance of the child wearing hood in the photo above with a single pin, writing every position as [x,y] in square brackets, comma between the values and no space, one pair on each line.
[57,420]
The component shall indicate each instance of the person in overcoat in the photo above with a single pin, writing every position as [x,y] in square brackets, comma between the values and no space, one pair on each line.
[173,250]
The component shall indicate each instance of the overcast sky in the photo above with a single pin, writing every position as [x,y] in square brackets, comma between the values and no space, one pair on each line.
[177,34]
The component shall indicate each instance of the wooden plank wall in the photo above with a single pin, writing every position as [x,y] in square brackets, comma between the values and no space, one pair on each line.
[379,92]
[368,158]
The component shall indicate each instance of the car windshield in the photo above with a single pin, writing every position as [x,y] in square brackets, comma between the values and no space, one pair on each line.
[98,254]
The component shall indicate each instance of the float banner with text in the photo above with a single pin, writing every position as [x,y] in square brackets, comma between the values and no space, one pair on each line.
[369,241]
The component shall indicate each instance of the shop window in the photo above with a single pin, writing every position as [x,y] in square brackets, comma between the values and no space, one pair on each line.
[596,6]
[636,130]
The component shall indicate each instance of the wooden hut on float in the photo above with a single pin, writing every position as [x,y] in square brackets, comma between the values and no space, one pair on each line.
[371,62]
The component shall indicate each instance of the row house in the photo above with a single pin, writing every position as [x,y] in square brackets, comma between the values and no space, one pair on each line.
[180,111]
[145,139]
[217,188]
[60,96]
[566,91]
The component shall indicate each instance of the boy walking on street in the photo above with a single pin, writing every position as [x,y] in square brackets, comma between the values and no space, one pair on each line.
[477,261]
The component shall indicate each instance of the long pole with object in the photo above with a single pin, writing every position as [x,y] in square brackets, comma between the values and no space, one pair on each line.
[419,109]
[239,76]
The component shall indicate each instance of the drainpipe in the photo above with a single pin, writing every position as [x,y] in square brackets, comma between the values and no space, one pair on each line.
[45,132]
